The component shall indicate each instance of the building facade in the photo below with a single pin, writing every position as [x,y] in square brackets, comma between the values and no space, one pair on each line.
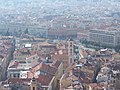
[70,51]
[106,37]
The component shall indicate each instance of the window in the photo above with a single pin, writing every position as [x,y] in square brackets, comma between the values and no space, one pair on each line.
[14,75]
[113,81]
[33,88]
[71,44]
[18,75]
[70,50]
[42,72]
[10,75]
[70,60]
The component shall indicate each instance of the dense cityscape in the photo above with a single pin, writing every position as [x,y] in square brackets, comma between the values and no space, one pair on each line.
[59,45]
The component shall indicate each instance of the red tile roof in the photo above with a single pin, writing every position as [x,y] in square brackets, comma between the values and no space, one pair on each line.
[57,64]
[13,64]
[49,69]
[44,80]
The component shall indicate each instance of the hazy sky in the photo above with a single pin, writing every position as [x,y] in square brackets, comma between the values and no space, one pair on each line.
[28,4]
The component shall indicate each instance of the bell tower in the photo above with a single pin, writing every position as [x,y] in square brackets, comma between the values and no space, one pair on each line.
[70,51]
[33,84]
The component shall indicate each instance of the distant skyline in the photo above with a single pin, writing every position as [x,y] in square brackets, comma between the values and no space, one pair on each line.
[16,4]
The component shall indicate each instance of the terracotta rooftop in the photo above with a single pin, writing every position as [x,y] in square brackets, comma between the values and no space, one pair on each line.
[57,63]
[42,66]
[44,80]
[13,64]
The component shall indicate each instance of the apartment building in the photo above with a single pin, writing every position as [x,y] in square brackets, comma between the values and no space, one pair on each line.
[106,37]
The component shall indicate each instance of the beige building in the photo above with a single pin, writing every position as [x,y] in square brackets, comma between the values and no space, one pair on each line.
[22,54]
[19,68]
[48,74]
[106,37]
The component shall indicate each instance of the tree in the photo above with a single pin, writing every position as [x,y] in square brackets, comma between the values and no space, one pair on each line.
[7,33]
[20,31]
[117,48]
[26,31]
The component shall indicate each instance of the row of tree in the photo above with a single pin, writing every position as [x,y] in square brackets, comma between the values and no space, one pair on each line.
[15,33]
[99,45]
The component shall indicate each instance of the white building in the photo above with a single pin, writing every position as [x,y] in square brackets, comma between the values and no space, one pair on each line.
[102,78]
[106,37]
